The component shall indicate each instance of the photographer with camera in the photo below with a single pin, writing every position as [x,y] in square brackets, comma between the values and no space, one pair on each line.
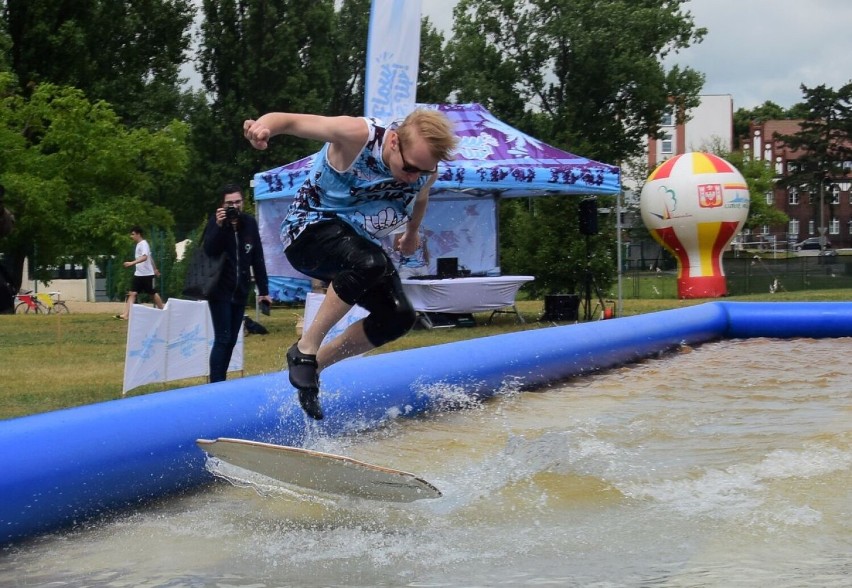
[235,233]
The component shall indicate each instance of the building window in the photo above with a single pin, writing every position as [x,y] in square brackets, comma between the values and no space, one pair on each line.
[666,143]
[849,228]
[835,194]
[793,228]
[793,195]
[811,227]
[770,198]
[834,226]
[667,120]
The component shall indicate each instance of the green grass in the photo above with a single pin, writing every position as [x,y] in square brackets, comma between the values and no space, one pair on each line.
[58,361]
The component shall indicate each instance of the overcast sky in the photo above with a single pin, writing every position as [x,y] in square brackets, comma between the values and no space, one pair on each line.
[755,50]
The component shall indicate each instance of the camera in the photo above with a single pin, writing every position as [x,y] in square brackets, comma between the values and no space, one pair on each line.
[231,213]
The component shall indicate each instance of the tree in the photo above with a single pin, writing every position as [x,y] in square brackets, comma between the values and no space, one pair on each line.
[5,43]
[585,75]
[743,118]
[349,45]
[127,54]
[257,56]
[433,86]
[540,236]
[823,142]
[85,44]
[76,178]
[797,111]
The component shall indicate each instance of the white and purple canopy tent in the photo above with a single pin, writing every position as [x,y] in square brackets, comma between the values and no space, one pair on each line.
[493,160]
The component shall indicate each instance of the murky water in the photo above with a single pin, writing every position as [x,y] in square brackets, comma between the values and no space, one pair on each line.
[727,465]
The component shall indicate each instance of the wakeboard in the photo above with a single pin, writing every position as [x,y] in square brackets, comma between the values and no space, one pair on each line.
[322,472]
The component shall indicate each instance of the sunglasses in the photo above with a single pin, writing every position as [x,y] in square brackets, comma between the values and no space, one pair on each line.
[410,169]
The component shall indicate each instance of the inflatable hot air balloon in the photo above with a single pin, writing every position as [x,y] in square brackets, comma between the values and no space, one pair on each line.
[694,205]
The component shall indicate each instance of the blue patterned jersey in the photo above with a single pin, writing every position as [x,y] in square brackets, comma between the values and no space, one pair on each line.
[366,195]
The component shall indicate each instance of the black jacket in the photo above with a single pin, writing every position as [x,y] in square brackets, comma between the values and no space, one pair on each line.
[244,251]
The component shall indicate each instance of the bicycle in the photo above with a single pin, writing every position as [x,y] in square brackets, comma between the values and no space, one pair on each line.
[40,303]
[27,302]
[53,301]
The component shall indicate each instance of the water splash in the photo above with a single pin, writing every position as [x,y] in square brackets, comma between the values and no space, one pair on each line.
[739,491]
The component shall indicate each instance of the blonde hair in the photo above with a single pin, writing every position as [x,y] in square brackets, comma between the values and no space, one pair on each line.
[433,127]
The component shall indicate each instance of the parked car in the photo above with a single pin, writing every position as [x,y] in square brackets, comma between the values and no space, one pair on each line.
[811,246]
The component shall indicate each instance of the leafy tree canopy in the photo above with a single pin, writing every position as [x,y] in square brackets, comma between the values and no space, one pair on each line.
[76,178]
[541,237]
[258,56]
[433,85]
[743,117]
[824,139]
[585,75]
[127,53]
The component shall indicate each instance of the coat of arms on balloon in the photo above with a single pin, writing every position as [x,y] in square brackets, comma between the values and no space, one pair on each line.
[694,204]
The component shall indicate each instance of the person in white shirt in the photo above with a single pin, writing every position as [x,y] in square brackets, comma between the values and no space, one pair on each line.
[143,275]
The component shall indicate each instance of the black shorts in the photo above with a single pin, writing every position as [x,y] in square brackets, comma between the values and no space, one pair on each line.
[143,285]
[360,272]
[332,251]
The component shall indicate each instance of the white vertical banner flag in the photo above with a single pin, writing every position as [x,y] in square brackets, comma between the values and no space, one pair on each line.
[145,355]
[393,56]
[171,344]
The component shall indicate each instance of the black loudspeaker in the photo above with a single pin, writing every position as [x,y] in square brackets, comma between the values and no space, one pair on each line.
[588,217]
[562,308]
[448,267]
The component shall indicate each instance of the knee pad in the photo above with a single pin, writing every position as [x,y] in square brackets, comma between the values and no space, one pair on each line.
[366,271]
[387,324]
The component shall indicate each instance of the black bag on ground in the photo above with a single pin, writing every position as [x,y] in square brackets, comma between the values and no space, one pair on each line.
[203,273]
[254,327]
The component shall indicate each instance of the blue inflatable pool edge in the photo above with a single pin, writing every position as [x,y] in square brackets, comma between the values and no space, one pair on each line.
[64,467]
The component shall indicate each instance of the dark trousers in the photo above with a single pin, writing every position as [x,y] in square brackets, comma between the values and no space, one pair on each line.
[227,322]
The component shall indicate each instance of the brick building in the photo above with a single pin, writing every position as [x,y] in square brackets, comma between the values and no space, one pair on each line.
[805,207]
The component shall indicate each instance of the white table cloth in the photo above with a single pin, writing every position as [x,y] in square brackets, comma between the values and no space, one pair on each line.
[464,295]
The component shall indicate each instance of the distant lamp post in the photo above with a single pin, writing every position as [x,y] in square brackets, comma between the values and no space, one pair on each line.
[821,227]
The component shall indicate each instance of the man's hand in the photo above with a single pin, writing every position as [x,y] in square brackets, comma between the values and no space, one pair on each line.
[257,134]
[408,242]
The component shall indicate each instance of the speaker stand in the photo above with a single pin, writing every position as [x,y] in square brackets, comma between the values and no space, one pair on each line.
[590,284]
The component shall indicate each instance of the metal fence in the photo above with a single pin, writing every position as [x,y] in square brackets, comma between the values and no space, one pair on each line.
[750,275]
[759,275]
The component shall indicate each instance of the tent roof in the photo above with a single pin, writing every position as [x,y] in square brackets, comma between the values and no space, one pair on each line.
[492,158]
